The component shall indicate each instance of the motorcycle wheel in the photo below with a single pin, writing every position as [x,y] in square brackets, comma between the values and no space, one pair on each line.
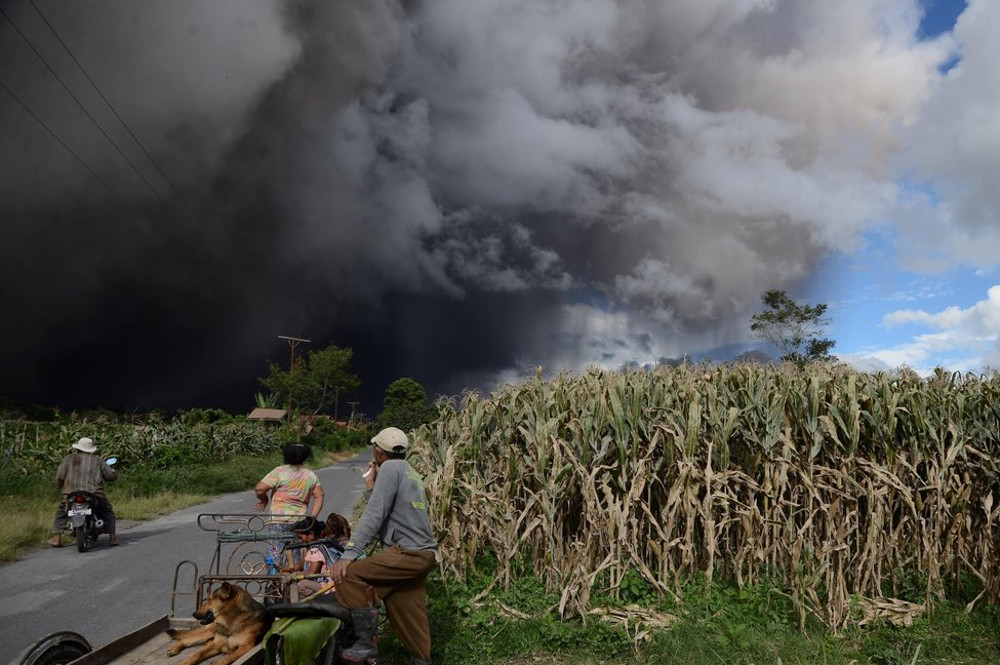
[55,649]
[83,541]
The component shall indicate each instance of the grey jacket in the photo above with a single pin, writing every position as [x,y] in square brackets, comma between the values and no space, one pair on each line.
[396,512]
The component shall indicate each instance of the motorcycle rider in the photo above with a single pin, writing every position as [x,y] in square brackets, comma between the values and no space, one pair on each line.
[83,471]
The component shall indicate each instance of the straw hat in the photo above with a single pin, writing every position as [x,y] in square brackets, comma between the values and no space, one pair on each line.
[85,445]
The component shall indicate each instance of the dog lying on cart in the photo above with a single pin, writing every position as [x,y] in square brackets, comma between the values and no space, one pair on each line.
[246,609]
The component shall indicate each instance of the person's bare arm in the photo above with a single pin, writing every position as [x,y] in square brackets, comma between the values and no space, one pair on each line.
[262,490]
[317,501]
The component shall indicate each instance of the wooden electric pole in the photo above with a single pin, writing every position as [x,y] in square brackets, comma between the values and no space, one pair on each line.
[292,343]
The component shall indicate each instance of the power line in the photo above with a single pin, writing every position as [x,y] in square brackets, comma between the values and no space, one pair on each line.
[115,112]
[63,144]
[82,107]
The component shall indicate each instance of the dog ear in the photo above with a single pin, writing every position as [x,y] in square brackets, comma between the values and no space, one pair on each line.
[225,591]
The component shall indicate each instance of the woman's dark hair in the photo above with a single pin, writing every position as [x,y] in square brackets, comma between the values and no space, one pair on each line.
[309,525]
[296,453]
[337,528]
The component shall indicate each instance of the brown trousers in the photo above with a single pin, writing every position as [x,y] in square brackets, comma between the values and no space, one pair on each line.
[397,577]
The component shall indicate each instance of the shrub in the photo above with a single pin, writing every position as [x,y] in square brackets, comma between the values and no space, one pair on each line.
[326,435]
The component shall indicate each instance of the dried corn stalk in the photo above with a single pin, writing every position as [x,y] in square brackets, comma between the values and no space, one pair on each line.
[836,483]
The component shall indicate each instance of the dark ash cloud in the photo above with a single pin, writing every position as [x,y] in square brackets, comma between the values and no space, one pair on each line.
[458,191]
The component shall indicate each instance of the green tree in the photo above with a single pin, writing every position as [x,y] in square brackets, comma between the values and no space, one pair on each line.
[405,406]
[795,329]
[315,382]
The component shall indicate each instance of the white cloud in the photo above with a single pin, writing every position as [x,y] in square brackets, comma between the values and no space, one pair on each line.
[951,151]
[982,320]
[923,355]
[965,339]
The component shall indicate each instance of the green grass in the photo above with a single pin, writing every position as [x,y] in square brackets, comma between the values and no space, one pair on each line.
[715,624]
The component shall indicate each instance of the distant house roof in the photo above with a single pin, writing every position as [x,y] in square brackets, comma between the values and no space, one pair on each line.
[267,414]
[310,420]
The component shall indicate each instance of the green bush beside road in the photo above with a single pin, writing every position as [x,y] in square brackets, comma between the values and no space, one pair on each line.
[33,447]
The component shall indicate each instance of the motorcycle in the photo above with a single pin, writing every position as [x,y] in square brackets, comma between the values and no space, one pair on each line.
[84,513]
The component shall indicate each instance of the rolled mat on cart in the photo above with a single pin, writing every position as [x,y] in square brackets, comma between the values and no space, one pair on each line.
[302,640]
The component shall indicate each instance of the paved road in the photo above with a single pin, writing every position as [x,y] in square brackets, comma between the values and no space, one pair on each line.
[108,592]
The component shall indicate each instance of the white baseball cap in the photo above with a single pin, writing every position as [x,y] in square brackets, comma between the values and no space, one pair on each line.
[392,440]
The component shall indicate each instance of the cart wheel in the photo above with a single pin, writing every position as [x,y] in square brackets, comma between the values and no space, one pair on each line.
[54,649]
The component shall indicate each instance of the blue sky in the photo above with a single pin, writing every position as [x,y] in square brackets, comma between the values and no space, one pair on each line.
[939,16]
[863,289]
[888,309]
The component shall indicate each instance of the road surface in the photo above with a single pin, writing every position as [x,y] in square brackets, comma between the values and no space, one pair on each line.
[107,592]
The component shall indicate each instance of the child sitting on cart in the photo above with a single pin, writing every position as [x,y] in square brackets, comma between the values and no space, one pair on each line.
[322,540]
[337,531]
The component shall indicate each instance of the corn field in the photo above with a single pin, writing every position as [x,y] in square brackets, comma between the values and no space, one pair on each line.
[38,447]
[841,487]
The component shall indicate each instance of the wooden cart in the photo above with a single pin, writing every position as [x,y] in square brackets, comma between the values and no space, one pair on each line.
[240,557]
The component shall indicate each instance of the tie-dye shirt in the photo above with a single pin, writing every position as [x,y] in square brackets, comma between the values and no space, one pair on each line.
[293,487]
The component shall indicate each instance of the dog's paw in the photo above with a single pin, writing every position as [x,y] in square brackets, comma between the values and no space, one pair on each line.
[174,649]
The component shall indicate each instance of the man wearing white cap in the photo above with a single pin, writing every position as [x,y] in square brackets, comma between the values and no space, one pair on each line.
[83,471]
[396,514]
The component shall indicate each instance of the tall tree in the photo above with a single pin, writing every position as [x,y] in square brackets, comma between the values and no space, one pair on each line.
[405,406]
[795,329]
[315,382]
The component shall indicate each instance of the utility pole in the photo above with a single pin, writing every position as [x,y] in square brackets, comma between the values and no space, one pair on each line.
[292,343]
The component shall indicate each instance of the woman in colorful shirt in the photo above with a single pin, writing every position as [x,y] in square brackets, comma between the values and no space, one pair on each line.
[289,489]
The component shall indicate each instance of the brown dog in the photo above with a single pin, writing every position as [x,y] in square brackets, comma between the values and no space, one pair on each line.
[234,623]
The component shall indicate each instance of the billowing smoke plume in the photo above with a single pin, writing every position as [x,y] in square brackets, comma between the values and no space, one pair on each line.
[457,190]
